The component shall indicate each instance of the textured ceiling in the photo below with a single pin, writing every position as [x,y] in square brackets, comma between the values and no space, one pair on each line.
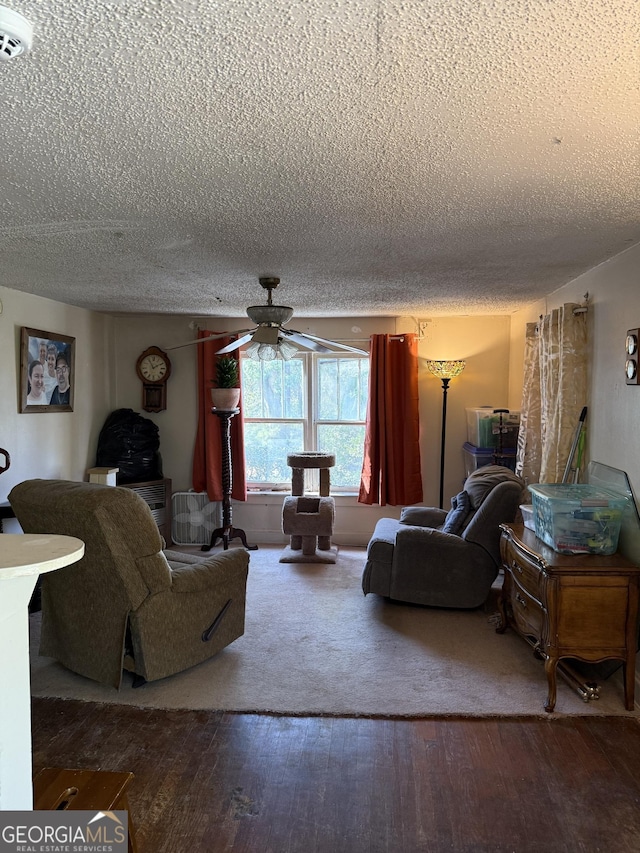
[383,157]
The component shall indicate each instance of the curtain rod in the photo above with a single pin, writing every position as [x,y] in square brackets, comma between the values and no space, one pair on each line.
[581,309]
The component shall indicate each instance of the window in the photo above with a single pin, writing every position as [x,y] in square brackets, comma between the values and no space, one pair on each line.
[311,402]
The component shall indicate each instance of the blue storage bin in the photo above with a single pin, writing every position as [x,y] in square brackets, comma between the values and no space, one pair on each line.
[477,457]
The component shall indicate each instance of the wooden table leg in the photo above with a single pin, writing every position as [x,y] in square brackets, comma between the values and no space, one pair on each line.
[550,667]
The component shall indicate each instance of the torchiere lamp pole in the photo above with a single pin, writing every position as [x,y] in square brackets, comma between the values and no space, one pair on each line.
[446,371]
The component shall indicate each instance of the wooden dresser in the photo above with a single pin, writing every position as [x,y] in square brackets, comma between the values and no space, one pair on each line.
[583,607]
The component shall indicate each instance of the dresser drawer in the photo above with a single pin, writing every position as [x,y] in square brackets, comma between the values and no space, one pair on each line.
[528,614]
[527,574]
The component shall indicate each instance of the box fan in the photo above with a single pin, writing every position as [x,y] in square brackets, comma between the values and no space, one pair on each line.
[194,518]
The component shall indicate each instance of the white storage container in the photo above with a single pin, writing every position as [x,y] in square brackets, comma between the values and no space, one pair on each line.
[527,516]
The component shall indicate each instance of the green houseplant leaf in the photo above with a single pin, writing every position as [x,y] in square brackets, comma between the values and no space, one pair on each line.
[226,372]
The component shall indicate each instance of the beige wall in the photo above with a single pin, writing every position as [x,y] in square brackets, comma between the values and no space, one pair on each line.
[55,444]
[483,342]
[64,444]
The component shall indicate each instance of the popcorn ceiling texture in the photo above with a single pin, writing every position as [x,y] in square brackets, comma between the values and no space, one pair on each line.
[383,157]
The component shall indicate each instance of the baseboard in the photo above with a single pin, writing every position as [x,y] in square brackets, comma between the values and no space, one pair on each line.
[271,537]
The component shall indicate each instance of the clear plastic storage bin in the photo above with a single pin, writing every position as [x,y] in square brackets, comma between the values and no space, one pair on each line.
[484,429]
[577,518]
[527,516]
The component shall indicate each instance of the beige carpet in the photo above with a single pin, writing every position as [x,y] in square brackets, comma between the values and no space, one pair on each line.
[315,645]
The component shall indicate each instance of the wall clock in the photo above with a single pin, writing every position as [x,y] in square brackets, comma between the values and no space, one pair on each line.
[153,368]
[631,352]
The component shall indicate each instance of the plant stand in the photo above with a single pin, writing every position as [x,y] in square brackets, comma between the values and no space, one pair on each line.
[227,532]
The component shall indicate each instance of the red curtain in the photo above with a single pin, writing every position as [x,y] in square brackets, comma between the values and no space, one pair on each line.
[391,467]
[207,454]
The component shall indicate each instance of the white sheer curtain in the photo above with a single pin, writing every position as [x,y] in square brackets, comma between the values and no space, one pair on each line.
[554,393]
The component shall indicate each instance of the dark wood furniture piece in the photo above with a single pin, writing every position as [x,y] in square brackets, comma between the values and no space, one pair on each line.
[157,494]
[227,532]
[583,607]
[56,789]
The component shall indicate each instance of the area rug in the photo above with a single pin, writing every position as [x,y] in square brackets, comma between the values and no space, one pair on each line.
[314,644]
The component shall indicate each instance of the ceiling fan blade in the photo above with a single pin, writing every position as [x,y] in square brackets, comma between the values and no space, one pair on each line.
[304,341]
[234,345]
[208,338]
[328,343]
[196,341]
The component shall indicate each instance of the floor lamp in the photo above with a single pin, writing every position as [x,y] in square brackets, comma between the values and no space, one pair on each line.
[446,371]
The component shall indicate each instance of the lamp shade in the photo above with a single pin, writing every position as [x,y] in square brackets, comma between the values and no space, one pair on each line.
[446,369]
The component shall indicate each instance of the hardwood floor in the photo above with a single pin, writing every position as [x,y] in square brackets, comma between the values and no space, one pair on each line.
[207,782]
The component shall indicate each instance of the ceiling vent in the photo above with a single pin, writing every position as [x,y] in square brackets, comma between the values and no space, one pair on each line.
[16,34]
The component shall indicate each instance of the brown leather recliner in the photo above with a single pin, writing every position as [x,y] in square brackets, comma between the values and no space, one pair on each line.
[127,604]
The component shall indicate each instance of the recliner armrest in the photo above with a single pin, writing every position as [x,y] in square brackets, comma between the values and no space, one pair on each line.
[423,516]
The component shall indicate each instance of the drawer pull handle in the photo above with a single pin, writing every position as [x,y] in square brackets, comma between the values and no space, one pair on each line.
[520,600]
[515,566]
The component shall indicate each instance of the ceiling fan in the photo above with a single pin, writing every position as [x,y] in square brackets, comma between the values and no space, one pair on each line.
[269,339]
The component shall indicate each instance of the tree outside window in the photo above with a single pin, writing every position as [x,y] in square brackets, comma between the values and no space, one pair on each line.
[309,403]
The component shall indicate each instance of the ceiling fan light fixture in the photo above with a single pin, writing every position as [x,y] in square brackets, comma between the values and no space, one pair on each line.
[278,315]
[261,352]
[267,335]
[268,352]
[287,349]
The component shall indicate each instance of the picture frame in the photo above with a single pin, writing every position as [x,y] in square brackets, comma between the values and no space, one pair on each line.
[47,364]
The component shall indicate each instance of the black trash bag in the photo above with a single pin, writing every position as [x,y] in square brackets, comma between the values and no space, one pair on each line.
[131,443]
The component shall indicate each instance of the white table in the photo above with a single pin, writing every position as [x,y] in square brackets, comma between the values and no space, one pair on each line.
[23,557]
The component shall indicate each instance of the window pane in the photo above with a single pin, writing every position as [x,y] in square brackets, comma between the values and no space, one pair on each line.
[328,389]
[294,397]
[346,441]
[342,389]
[266,449]
[273,389]
[251,388]
[349,389]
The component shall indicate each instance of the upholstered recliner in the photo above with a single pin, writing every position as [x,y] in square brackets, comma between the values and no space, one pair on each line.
[128,604]
[445,559]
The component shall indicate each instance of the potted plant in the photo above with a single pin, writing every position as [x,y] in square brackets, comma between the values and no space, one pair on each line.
[226,393]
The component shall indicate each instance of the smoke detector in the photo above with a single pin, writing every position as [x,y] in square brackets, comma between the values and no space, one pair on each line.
[16,34]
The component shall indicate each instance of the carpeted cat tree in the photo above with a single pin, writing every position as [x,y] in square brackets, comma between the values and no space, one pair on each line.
[309,520]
